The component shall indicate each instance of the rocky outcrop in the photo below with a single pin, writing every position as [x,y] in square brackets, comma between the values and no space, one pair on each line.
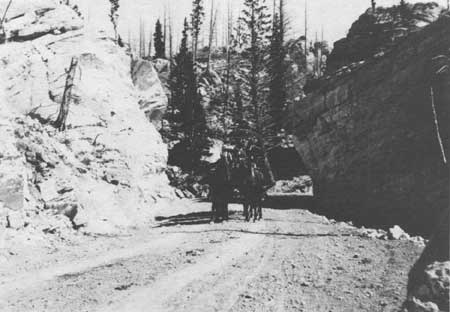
[152,96]
[429,279]
[435,290]
[375,33]
[108,167]
[369,140]
[44,17]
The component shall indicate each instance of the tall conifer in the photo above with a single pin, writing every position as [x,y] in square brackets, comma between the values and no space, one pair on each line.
[257,22]
[160,49]
[197,15]
[277,69]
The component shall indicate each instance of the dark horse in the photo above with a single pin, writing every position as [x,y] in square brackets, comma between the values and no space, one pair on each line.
[221,187]
[250,182]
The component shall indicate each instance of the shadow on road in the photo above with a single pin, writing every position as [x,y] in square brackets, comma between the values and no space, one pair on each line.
[279,234]
[194,218]
[204,217]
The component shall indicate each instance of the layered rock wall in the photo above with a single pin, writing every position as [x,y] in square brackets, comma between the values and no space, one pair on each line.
[369,139]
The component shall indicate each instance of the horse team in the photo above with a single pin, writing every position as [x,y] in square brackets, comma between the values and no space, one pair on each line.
[238,169]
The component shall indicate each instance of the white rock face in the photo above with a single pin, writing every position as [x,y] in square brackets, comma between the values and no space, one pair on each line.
[109,164]
[152,97]
[48,18]
[397,233]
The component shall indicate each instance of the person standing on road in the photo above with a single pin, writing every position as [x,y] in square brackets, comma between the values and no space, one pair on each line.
[221,189]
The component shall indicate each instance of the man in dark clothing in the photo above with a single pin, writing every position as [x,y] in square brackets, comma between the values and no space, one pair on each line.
[221,187]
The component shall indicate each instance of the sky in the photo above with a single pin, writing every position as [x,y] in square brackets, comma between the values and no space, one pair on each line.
[333,16]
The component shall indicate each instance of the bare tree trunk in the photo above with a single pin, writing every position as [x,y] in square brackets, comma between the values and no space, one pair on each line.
[2,29]
[274,12]
[227,82]
[150,45]
[321,54]
[269,168]
[165,31]
[129,38]
[60,122]
[306,36]
[211,36]
[194,48]
[438,132]
[140,38]
[6,11]
[144,46]
[229,31]
[170,39]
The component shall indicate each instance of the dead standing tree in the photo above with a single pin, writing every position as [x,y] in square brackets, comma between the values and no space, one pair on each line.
[2,29]
[60,122]
[212,26]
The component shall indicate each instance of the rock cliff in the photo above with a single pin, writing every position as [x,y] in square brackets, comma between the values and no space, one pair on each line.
[368,135]
[107,168]
[375,32]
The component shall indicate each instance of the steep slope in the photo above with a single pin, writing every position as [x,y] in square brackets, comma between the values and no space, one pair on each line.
[368,136]
[107,168]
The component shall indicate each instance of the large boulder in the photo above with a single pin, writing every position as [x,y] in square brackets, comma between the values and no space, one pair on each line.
[152,96]
[429,279]
[108,167]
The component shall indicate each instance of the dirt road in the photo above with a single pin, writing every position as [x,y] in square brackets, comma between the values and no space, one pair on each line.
[293,260]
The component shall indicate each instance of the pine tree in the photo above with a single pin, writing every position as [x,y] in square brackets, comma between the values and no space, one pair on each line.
[406,15]
[228,68]
[114,16]
[257,27]
[258,24]
[160,49]
[199,140]
[239,111]
[177,75]
[277,70]
[374,6]
[237,37]
[240,127]
[197,15]
[403,8]
[193,117]
[185,100]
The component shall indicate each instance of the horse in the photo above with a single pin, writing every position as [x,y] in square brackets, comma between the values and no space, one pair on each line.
[241,171]
[249,180]
[254,192]
[221,187]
